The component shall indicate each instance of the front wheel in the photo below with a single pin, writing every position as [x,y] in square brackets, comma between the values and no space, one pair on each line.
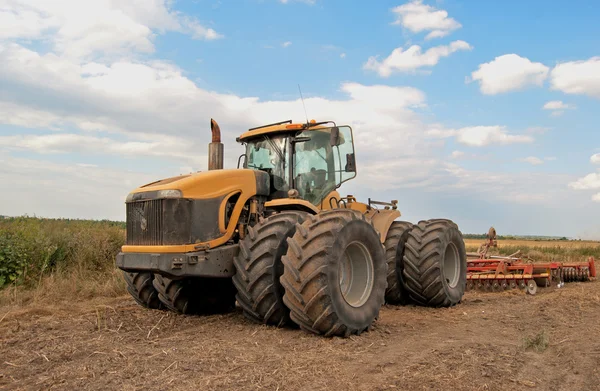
[139,286]
[196,295]
[334,274]
[435,263]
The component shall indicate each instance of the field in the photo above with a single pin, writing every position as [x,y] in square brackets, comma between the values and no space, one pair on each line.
[72,326]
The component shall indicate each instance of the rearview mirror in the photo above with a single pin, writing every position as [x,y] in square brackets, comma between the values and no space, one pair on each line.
[350,163]
[334,138]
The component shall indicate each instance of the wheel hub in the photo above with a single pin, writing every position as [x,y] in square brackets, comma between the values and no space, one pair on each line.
[356,274]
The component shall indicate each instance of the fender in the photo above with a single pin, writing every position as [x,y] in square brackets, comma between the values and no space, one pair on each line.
[291,203]
[382,220]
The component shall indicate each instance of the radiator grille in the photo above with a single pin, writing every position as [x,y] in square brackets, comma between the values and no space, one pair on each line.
[145,223]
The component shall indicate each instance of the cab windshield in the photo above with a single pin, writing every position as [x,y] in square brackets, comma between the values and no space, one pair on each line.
[269,154]
[319,167]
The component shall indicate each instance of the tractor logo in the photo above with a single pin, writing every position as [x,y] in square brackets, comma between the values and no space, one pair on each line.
[143,224]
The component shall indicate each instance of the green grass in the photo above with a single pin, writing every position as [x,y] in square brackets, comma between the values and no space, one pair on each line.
[32,248]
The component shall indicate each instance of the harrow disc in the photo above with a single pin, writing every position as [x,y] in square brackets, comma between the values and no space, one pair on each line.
[487,285]
[504,285]
[512,284]
[496,286]
[531,287]
[522,284]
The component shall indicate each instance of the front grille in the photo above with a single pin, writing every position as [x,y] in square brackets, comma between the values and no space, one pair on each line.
[145,223]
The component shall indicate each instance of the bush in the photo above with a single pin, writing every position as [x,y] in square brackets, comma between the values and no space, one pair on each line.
[31,248]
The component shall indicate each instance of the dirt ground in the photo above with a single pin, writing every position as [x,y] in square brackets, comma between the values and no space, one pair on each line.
[480,344]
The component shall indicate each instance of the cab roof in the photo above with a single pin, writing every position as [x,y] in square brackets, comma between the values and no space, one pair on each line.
[282,127]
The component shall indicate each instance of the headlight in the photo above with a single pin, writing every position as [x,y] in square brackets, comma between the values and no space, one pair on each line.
[152,195]
[169,194]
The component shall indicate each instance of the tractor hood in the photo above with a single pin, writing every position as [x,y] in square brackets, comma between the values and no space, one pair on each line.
[205,185]
[181,212]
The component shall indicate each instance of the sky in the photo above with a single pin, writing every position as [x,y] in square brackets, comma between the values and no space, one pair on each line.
[482,112]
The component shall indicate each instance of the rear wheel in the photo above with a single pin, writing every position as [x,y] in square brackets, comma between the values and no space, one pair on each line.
[334,274]
[435,263]
[258,268]
[139,286]
[394,252]
[196,295]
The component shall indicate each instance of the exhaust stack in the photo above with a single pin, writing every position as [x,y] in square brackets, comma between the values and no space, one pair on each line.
[215,148]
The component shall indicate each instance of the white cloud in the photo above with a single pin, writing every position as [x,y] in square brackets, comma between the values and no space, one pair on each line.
[557,105]
[413,58]
[172,148]
[596,197]
[595,158]
[457,154]
[509,72]
[418,17]
[80,28]
[479,136]
[535,161]
[577,77]
[342,55]
[286,44]
[588,182]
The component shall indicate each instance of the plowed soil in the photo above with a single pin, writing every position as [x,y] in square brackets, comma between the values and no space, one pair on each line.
[491,341]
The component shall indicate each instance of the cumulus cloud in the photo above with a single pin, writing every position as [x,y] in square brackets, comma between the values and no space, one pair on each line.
[418,17]
[457,154]
[590,181]
[172,148]
[509,72]
[77,29]
[596,197]
[557,105]
[577,77]
[480,136]
[286,44]
[413,58]
[595,158]
[534,161]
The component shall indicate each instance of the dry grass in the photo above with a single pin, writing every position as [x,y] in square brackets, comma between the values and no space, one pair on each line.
[542,250]
[475,243]
[62,287]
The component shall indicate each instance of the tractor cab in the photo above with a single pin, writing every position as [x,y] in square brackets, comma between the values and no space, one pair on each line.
[307,161]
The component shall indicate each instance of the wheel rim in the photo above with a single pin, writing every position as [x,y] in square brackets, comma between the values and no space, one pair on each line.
[356,274]
[451,265]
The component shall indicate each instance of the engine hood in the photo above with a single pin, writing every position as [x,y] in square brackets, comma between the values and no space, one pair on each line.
[205,185]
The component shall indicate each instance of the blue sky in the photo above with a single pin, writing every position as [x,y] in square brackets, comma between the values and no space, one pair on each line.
[446,99]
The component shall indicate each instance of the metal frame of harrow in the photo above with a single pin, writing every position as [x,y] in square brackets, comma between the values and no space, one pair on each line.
[497,274]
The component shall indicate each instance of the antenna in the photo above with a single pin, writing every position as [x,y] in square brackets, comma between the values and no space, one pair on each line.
[303,103]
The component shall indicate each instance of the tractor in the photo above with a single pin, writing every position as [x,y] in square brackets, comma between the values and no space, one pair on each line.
[276,236]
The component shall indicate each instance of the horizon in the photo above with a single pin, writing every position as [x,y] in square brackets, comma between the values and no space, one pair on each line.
[484,113]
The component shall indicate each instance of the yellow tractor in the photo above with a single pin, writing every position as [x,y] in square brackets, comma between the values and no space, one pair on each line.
[277,237]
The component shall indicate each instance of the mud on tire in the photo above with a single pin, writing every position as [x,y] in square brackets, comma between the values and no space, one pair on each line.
[196,295]
[334,274]
[258,268]
[394,253]
[139,286]
[435,263]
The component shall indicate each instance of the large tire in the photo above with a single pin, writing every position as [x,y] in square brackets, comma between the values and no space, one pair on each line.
[196,295]
[139,286]
[394,245]
[258,268]
[435,263]
[327,291]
